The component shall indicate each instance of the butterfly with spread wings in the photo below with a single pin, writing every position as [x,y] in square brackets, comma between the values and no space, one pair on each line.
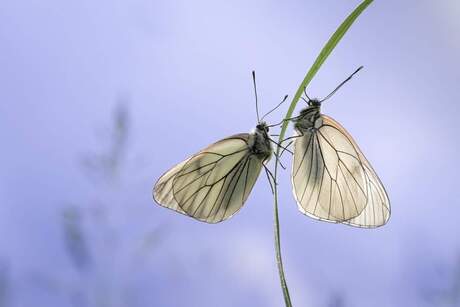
[212,185]
[331,178]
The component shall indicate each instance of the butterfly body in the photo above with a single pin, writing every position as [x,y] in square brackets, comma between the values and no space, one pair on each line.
[259,142]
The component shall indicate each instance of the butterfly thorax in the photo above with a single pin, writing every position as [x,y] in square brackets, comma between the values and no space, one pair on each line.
[309,118]
[259,142]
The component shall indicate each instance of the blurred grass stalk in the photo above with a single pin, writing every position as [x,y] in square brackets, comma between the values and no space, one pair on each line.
[323,55]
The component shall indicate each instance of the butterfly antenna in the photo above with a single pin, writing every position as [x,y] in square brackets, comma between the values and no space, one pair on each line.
[277,106]
[305,92]
[255,93]
[343,82]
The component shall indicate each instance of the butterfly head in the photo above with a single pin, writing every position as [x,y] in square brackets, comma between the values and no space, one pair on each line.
[315,102]
[313,109]
[262,127]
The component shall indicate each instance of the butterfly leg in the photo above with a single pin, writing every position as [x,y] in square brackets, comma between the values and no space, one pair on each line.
[287,146]
[290,143]
[293,137]
[278,160]
[284,120]
[279,145]
[270,177]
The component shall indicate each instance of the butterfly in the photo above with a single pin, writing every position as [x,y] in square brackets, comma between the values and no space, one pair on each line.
[213,184]
[331,178]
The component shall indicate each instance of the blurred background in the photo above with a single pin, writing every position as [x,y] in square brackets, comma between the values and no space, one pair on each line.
[99,98]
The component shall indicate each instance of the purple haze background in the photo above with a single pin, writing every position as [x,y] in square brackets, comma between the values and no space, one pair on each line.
[99,98]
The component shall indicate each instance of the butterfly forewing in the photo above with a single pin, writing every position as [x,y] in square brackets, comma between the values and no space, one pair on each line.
[213,185]
[333,181]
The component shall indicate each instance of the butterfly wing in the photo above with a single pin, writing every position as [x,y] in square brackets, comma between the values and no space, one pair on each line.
[163,189]
[212,185]
[333,181]
[377,211]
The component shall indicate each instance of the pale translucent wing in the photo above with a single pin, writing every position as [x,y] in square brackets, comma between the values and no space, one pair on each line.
[214,184]
[332,179]
[327,185]
[377,211]
[163,190]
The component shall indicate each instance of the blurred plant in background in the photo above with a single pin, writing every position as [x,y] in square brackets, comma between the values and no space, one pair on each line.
[107,166]
[443,289]
[4,284]
[104,256]
[337,300]
[75,237]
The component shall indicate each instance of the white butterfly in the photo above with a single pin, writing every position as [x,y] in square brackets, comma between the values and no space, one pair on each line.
[331,178]
[212,185]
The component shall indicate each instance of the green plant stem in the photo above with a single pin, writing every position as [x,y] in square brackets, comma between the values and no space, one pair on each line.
[323,55]
[279,259]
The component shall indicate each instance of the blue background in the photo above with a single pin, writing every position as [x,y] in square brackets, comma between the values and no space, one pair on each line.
[99,98]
